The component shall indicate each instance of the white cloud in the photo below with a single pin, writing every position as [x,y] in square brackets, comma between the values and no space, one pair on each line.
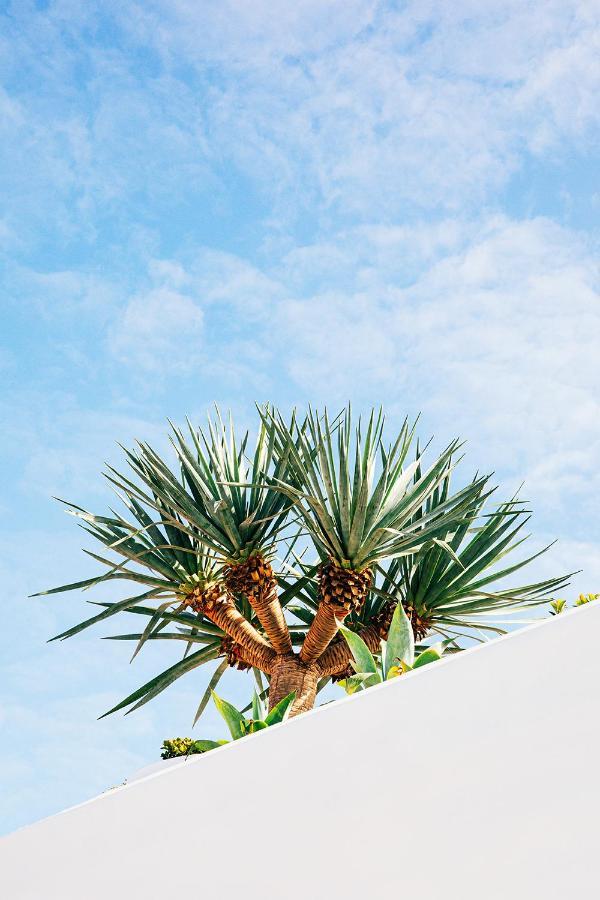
[56,446]
[495,340]
[326,106]
[199,317]
[568,555]
[501,331]
[427,105]
[563,88]
[226,281]
[68,292]
[161,330]
[237,33]
[489,326]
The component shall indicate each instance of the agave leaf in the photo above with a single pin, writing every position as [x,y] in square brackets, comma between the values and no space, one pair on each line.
[427,656]
[400,643]
[257,710]
[362,658]
[203,746]
[359,681]
[257,725]
[281,710]
[234,720]
[262,697]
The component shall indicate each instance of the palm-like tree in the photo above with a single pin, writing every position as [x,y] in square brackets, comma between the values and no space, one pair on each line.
[357,500]
[203,542]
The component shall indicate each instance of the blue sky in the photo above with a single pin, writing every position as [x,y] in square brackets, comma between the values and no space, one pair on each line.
[390,203]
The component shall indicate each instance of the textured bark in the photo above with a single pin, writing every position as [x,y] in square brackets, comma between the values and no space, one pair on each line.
[243,658]
[337,656]
[340,591]
[255,580]
[322,631]
[256,650]
[223,613]
[289,674]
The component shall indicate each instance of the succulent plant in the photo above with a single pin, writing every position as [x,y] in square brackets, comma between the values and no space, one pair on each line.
[238,724]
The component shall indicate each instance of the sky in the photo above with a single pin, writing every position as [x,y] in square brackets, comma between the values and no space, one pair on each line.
[384,202]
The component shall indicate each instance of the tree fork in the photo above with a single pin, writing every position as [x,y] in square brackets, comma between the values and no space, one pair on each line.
[243,659]
[230,620]
[254,579]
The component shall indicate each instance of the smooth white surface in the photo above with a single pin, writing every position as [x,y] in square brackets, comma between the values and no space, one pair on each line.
[161,766]
[473,778]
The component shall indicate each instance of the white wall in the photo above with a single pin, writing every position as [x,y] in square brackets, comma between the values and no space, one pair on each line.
[475,778]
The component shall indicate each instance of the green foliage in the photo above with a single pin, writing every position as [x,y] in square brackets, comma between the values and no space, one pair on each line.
[400,645]
[354,513]
[557,607]
[397,655]
[450,586]
[187,747]
[229,500]
[238,725]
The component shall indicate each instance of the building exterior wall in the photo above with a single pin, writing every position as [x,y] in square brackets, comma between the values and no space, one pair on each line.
[473,778]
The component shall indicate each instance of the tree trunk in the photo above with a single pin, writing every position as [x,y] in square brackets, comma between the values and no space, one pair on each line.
[255,580]
[289,673]
[323,629]
[230,620]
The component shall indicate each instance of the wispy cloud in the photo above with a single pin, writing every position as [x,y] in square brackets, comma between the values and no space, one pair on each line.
[423,107]
[428,105]
[162,329]
[495,337]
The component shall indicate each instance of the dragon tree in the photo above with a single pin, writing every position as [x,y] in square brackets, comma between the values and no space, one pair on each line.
[256,558]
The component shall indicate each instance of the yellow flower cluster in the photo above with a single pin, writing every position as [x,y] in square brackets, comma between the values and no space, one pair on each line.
[176,747]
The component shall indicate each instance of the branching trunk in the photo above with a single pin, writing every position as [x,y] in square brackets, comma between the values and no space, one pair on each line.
[289,674]
[260,657]
[255,580]
[230,620]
